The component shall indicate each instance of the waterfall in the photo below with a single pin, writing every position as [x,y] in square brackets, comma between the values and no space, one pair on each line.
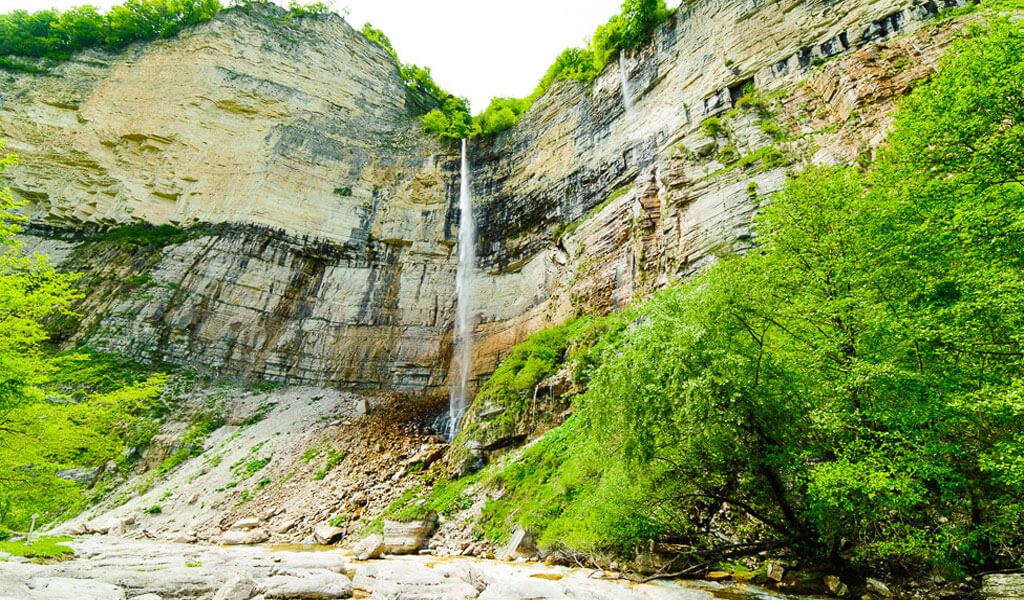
[627,93]
[463,336]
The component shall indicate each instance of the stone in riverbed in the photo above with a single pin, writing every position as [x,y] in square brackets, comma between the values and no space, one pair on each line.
[835,586]
[239,538]
[878,588]
[317,583]
[285,526]
[239,587]
[520,544]
[371,547]
[325,533]
[403,538]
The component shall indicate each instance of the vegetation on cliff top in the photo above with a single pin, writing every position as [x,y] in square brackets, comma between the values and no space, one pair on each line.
[623,31]
[851,390]
[55,34]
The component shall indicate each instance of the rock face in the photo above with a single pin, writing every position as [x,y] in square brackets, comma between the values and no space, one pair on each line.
[1003,586]
[401,538]
[330,219]
[650,193]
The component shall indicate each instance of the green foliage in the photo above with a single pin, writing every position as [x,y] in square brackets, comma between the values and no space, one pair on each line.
[147,235]
[624,31]
[713,127]
[334,458]
[444,115]
[44,429]
[854,389]
[501,114]
[296,9]
[154,510]
[45,547]
[55,35]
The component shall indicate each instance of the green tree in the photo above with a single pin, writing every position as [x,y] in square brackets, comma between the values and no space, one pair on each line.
[43,429]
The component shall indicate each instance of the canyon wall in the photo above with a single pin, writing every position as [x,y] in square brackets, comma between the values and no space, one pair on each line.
[649,196]
[338,264]
[328,219]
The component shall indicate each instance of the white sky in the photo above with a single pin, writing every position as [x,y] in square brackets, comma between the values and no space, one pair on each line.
[474,48]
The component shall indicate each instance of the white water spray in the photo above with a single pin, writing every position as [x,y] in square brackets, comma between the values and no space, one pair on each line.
[627,92]
[463,355]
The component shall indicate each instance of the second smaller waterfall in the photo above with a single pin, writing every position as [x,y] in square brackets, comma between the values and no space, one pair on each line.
[627,92]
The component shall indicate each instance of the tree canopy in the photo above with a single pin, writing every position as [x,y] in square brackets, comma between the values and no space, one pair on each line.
[46,428]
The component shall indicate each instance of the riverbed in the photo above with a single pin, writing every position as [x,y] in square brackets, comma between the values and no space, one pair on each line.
[115,568]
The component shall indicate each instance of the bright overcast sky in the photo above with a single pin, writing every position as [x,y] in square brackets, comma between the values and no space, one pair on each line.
[474,48]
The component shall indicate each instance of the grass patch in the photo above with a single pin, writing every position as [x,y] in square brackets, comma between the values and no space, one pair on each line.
[42,547]
[334,458]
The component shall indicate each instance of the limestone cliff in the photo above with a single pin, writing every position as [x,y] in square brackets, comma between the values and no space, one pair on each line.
[338,264]
[649,196]
[326,254]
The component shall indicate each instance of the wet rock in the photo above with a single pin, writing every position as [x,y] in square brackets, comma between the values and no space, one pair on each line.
[307,584]
[239,587]
[240,538]
[1003,586]
[325,533]
[836,587]
[776,570]
[402,538]
[877,587]
[371,547]
[395,580]
[84,477]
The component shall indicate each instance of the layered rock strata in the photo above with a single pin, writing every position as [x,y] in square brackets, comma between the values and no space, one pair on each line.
[334,263]
[334,260]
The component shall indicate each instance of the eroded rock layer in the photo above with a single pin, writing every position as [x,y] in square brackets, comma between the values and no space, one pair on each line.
[326,253]
[586,205]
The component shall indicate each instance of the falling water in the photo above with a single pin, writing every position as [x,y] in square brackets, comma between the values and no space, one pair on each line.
[462,357]
[627,93]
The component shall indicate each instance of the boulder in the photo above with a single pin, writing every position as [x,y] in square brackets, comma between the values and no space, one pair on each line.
[249,523]
[403,538]
[776,570]
[878,588]
[307,584]
[284,526]
[1003,586]
[520,544]
[84,477]
[239,538]
[325,533]
[239,587]
[371,547]
[836,587]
